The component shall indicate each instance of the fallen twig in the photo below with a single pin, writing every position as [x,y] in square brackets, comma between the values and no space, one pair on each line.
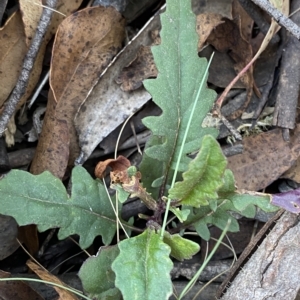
[21,85]
[280,18]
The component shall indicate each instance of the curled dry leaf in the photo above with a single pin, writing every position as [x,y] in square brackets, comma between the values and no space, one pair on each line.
[205,25]
[265,157]
[107,106]
[130,182]
[227,37]
[121,163]
[80,54]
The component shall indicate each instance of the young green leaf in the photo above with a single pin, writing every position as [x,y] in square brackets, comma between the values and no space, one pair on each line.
[97,277]
[143,268]
[180,72]
[244,202]
[228,200]
[43,200]
[203,177]
[181,248]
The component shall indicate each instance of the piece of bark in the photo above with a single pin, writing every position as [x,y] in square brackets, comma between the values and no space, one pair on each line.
[273,270]
[289,80]
[247,252]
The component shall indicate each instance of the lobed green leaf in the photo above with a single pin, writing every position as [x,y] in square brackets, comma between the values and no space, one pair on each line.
[43,200]
[180,72]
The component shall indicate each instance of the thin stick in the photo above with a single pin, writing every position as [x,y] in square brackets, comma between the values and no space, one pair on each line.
[280,18]
[29,60]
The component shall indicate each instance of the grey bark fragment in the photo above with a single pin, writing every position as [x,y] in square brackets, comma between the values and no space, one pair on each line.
[273,270]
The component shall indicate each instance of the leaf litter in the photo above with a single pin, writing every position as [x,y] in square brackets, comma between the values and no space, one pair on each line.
[265,157]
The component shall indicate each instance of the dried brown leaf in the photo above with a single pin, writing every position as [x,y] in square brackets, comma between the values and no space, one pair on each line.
[31,14]
[227,37]
[107,106]
[13,46]
[205,24]
[45,275]
[12,52]
[243,20]
[265,157]
[52,152]
[232,36]
[84,45]
[65,8]
[121,163]
[78,66]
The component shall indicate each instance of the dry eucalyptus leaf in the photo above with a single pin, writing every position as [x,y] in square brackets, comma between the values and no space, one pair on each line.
[108,105]
[265,157]
[31,14]
[84,45]
[55,140]
[52,152]
[12,52]
[64,8]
